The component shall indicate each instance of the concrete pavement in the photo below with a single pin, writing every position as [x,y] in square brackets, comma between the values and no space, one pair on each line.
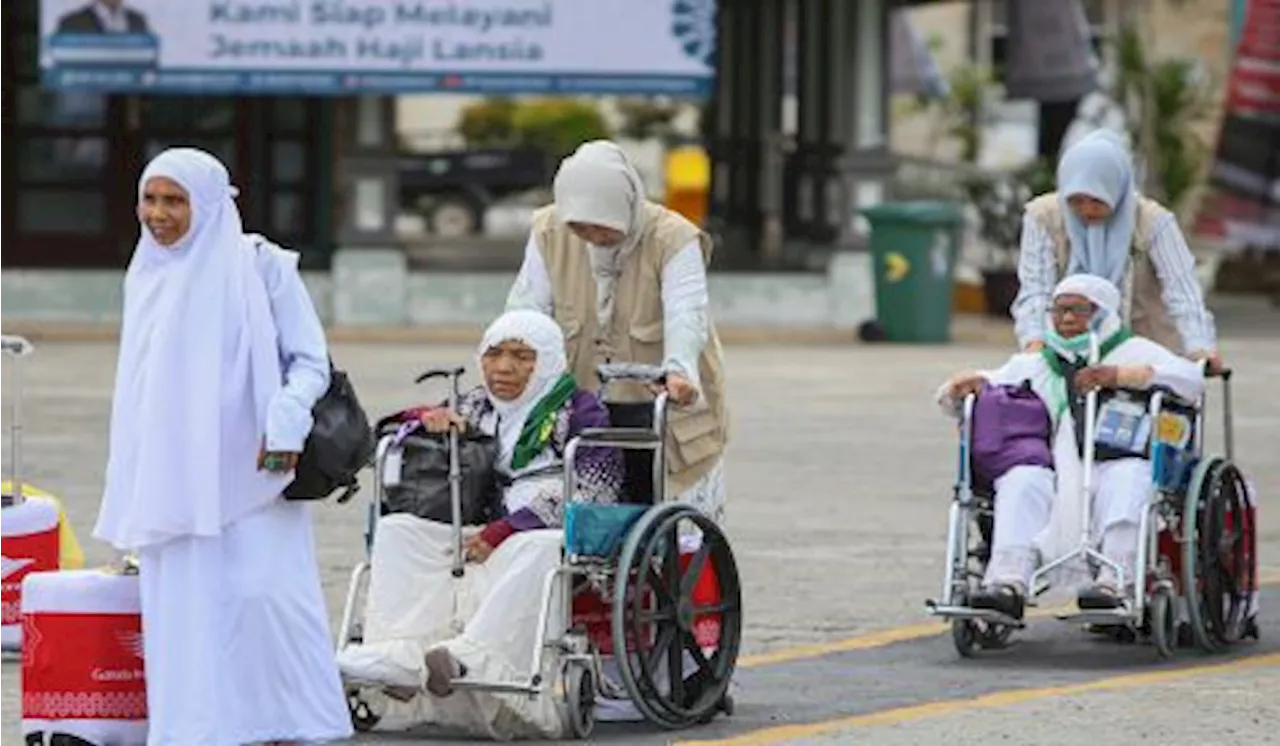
[839,474]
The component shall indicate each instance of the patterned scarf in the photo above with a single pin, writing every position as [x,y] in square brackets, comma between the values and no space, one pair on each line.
[540,425]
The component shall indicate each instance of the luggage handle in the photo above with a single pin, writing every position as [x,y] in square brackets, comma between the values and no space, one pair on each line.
[455,469]
[17,348]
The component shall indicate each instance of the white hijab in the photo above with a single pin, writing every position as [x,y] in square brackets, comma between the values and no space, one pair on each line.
[599,185]
[543,334]
[198,366]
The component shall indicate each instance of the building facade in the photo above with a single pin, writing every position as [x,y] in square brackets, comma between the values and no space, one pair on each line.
[70,178]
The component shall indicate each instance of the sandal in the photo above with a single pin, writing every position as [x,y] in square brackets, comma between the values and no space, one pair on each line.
[1100,597]
[1004,598]
[442,669]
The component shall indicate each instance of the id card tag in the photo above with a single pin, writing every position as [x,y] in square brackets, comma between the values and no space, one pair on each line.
[1124,425]
[392,466]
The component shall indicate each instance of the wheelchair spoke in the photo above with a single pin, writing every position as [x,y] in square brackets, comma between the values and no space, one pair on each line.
[724,607]
[675,670]
[694,571]
[656,615]
[659,586]
[666,638]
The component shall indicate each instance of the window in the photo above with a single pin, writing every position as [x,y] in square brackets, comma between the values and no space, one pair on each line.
[993,29]
[62,211]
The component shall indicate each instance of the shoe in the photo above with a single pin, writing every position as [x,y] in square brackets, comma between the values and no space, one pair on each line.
[1100,597]
[1006,599]
[442,669]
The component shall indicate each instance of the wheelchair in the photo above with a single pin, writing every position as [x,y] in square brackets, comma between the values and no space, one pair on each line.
[1196,562]
[637,592]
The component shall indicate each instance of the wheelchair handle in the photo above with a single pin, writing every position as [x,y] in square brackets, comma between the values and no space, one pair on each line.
[639,372]
[440,373]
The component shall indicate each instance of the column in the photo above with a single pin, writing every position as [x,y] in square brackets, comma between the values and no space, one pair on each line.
[370,271]
[869,164]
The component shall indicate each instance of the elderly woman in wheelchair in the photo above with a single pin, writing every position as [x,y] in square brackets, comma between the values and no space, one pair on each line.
[428,623]
[1029,447]
[584,586]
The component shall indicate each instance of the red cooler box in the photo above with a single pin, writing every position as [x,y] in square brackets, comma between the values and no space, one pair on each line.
[31,544]
[82,661]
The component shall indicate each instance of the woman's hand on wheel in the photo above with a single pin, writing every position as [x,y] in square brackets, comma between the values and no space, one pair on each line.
[440,420]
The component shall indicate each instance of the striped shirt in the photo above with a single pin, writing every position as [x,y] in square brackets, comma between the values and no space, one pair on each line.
[1174,264]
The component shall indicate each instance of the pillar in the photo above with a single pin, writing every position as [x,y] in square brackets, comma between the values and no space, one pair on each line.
[370,271]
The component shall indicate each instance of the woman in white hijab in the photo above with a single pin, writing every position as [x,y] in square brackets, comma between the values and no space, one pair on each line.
[222,358]
[425,629]
[1038,509]
[626,279]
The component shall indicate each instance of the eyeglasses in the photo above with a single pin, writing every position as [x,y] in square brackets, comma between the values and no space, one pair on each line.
[1078,310]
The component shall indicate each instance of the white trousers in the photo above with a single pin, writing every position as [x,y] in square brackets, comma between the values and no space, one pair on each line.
[488,620]
[236,636]
[1024,501]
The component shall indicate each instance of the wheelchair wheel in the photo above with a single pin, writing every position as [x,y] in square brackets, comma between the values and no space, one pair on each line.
[1219,577]
[580,699]
[1163,621]
[670,614]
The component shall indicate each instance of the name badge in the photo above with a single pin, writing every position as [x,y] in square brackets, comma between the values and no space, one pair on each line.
[392,466]
[1124,426]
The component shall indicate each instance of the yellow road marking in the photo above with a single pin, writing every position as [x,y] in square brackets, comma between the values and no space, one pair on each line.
[1266,578]
[987,701]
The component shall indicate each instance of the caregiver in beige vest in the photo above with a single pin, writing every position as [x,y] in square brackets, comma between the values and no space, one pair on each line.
[1096,223]
[627,281]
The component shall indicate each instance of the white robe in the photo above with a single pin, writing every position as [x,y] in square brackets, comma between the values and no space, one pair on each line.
[487,619]
[1039,511]
[236,637]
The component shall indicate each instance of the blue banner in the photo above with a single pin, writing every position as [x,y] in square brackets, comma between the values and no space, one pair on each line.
[342,47]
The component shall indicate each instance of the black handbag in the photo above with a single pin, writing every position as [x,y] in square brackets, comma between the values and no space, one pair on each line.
[340,445]
[421,485]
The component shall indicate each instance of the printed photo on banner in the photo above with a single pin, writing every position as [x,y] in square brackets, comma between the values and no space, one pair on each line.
[93,33]
[343,46]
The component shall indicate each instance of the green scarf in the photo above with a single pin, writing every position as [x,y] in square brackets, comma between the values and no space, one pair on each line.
[541,422]
[1059,367]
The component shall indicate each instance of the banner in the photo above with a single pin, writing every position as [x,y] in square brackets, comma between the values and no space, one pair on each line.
[1244,209]
[347,47]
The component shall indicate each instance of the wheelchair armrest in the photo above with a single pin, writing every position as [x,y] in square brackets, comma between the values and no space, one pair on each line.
[617,434]
[1169,397]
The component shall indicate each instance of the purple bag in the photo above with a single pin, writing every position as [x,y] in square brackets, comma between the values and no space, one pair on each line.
[1011,427]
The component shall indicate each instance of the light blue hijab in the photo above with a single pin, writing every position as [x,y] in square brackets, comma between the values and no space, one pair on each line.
[1099,166]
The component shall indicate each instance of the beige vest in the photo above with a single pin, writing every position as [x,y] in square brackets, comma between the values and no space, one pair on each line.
[697,435]
[1143,305]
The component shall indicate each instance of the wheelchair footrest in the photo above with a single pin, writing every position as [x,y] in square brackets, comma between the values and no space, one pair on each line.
[990,616]
[496,687]
[1121,617]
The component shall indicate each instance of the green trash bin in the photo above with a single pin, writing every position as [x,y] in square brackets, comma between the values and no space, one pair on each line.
[914,247]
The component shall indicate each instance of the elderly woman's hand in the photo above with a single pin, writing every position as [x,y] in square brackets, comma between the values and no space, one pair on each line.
[476,549]
[1097,377]
[963,385]
[440,420]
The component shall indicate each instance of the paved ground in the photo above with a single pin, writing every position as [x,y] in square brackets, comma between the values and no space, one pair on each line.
[839,474]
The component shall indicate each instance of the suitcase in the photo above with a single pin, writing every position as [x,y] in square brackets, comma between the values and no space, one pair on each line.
[83,674]
[37,536]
